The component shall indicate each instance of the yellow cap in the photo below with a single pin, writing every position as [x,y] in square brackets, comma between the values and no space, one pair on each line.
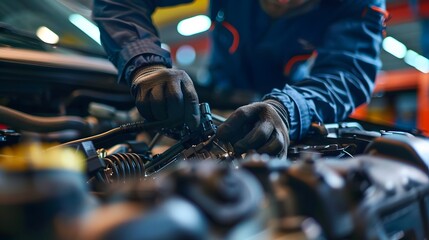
[36,156]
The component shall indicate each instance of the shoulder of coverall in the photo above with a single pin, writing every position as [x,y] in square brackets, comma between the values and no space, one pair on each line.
[346,5]
[365,9]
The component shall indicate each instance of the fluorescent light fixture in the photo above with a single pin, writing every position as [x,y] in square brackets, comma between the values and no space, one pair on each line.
[410,57]
[86,26]
[418,61]
[394,47]
[47,35]
[422,64]
[194,25]
[399,50]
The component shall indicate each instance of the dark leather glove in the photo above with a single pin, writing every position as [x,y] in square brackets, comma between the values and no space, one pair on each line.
[261,126]
[165,94]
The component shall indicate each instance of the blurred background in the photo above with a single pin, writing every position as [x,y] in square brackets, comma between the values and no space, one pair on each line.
[401,97]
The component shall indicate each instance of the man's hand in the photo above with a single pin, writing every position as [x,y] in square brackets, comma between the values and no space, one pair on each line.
[165,94]
[261,126]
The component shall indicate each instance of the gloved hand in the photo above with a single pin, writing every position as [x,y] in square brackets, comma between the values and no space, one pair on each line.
[165,94]
[261,126]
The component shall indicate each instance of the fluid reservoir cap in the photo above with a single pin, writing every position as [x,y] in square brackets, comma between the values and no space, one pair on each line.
[40,156]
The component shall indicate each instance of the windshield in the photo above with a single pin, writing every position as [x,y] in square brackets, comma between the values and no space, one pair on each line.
[50,22]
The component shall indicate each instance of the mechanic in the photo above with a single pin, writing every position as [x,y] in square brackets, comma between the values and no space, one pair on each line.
[315,61]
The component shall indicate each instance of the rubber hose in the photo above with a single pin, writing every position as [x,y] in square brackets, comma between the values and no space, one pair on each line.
[22,121]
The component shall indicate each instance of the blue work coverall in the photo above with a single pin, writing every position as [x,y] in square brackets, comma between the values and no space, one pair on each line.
[321,63]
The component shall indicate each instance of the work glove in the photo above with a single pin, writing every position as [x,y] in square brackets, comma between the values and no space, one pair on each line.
[261,126]
[166,94]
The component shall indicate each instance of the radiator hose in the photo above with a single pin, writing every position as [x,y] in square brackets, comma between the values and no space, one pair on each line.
[26,122]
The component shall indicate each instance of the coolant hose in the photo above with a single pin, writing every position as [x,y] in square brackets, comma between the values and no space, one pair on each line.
[22,121]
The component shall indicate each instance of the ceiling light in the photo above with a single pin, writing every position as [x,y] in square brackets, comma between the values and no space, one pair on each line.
[410,57]
[422,64]
[418,61]
[194,25]
[47,35]
[86,26]
[394,47]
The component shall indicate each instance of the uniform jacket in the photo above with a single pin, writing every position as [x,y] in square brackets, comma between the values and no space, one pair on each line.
[320,62]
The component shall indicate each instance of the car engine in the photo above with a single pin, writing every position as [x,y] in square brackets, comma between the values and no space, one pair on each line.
[341,182]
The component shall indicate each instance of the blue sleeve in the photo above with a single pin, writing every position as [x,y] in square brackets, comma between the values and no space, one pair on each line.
[128,34]
[343,73]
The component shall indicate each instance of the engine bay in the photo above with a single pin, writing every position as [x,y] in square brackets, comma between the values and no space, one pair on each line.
[341,182]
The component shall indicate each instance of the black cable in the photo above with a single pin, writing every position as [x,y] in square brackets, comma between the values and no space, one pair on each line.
[125,128]
[103,135]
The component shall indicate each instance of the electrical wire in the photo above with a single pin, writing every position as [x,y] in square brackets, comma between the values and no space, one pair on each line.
[125,128]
